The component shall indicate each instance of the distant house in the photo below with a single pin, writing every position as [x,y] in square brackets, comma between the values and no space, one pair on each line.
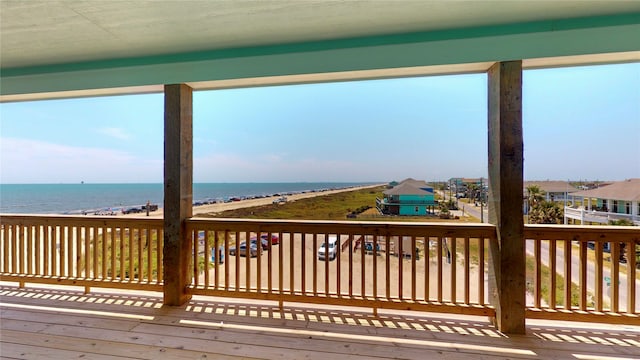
[552,190]
[409,197]
[619,200]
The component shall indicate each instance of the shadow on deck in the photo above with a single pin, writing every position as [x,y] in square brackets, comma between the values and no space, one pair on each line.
[66,323]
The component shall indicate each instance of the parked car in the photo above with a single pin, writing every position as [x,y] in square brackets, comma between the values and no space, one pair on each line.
[275,240]
[329,248]
[264,242]
[242,250]
[220,257]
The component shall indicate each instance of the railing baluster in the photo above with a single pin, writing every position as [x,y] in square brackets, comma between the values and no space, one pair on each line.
[583,276]
[387,254]
[160,243]
[47,249]
[280,263]
[631,276]
[598,275]
[614,278]
[104,257]
[247,260]
[363,272]
[315,263]
[375,266]
[77,231]
[537,268]
[259,260]
[413,268]
[270,265]
[467,270]
[122,253]
[552,274]
[37,249]
[218,261]
[237,262]
[148,243]
[131,232]
[196,250]
[427,283]
[207,258]
[140,233]
[338,256]
[303,262]
[481,268]
[439,257]
[326,265]
[29,238]
[292,249]
[350,265]
[114,246]
[54,250]
[567,274]
[63,251]
[227,259]
[453,264]
[400,267]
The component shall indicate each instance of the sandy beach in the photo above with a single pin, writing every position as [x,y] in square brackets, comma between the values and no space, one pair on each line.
[219,207]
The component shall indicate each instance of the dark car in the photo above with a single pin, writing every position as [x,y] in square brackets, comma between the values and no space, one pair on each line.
[275,240]
[264,242]
[242,250]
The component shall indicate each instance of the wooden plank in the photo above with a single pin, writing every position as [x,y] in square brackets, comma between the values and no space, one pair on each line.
[315,264]
[453,264]
[178,191]
[387,254]
[63,347]
[303,262]
[481,267]
[537,254]
[467,270]
[553,274]
[507,269]
[439,255]
[631,274]
[583,276]
[351,265]
[375,266]
[426,268]
[413,268]
[615,277]
[599,247]
[567,274]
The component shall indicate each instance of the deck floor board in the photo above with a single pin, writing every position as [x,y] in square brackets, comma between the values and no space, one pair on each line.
[65,323]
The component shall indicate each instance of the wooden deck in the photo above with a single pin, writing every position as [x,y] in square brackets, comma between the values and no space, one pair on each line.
[64,323]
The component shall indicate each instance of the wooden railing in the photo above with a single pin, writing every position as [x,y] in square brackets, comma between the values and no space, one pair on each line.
[432,267]
[84,251]
[572,278]
[420,266]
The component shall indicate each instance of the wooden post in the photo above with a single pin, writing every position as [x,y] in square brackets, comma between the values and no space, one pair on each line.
[178,187]
[507,262]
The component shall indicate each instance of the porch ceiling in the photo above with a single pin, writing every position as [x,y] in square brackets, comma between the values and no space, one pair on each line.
[117,44]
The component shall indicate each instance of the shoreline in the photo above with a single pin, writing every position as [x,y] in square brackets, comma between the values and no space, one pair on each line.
[220,207]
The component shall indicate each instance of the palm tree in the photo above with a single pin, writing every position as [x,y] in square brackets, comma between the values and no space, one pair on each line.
[534,195]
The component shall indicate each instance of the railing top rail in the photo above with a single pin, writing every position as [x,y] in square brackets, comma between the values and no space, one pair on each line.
[347,227]
[581,232]
[78,220]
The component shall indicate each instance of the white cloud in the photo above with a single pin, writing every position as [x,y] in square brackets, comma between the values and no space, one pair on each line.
[117,133]
[30,161]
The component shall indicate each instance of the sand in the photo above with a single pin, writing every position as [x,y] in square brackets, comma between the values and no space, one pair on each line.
[219,207]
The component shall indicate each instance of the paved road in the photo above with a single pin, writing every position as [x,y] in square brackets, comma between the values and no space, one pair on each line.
[575,275]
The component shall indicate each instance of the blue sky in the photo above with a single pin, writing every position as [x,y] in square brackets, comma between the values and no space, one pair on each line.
[579,123]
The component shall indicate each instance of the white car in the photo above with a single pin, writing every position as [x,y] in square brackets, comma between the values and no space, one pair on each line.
[330,250]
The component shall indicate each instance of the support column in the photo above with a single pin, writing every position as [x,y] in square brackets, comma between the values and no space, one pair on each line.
[507,263]
[178,188]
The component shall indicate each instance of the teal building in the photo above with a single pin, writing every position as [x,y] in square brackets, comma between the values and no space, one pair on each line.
[409,197]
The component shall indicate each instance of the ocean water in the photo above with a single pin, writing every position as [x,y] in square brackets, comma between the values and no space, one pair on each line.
[77,198]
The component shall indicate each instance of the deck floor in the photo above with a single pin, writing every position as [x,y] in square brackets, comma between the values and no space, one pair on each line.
[65,323]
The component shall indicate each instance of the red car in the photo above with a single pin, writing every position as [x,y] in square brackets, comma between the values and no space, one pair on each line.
[275,240]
